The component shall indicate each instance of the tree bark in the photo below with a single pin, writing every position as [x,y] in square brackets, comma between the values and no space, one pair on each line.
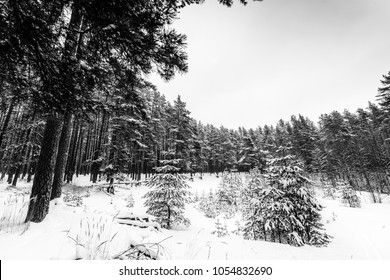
[43,179]
[62,155]
[96,163]
[70,167]
[6,121]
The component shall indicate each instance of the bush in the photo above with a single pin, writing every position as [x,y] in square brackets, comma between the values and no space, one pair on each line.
[349,196]
[130,201]
[73,200]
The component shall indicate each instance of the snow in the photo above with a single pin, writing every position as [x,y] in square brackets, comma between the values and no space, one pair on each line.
[92,230]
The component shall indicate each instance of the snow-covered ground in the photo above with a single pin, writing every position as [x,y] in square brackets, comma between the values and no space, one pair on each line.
[91,230]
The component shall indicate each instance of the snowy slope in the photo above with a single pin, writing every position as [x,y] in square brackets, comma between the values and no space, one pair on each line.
[359,233]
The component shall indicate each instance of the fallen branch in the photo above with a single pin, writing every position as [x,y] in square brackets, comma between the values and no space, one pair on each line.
[140,250]
[139,224]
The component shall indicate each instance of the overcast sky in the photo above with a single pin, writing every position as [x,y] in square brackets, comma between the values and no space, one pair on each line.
[253,65]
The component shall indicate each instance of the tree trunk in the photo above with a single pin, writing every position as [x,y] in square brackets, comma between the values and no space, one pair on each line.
[29,163]
[6,121]
[370,188]
[96,163]
[22,155]
[43,179]
[62,155]
[80,150]
[70,168]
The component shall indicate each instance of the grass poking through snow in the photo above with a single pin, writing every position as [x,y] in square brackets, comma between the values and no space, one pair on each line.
[93,238]
[13,214]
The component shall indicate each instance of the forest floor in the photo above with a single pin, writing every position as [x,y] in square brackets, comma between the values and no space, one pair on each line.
[91,230]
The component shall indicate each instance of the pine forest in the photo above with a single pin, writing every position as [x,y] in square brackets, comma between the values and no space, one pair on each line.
[86,136]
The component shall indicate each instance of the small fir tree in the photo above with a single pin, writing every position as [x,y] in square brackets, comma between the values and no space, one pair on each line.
[238,228]
[168,195]
[228,193]
[208,205]
[220,230]
[255,182]
[284,210]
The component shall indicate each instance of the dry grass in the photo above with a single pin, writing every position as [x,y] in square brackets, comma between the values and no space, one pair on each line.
[13,214]
[93,238]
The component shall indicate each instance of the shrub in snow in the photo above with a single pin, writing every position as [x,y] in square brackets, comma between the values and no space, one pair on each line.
[220,230]
[330,191]
[348,195]
[121,177]
[284,210]
[168,195]
[196,197]
[229,213]
[88,192]
[211,211]
[130,201]
[73,200]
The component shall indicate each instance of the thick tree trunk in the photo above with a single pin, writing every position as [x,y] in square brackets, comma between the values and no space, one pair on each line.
[62,155]
[43,179]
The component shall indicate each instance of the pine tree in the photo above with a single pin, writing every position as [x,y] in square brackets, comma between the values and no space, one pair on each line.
[208,204]
[285,210]
[253,186]
[220,230]
[384,93]
[168,195]
[228,193]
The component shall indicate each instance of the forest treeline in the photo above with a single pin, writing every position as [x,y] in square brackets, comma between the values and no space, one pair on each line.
[74,100]
[132,136]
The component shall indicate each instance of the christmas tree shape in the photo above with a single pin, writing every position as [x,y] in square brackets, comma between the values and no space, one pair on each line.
[220,230]
[284,210]
[228,193]
[168,195]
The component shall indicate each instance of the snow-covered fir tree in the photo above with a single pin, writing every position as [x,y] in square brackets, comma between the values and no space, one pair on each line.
[255,181]
[220,230]
[208,205]
[284,210]
[168,195]
[228,192]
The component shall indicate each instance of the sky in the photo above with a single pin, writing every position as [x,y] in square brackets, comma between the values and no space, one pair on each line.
[256,64]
